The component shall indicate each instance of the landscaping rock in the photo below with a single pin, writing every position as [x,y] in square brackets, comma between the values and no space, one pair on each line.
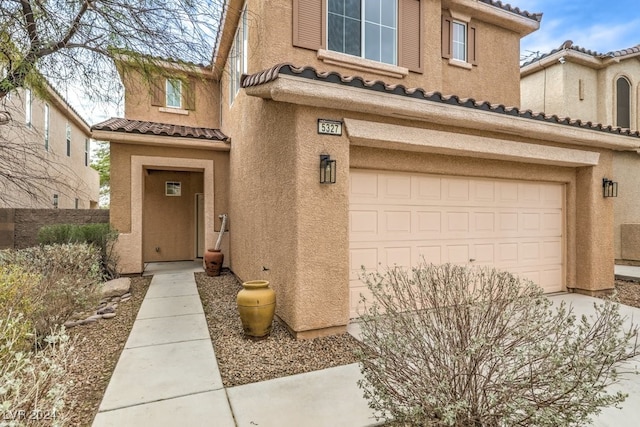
[116,287]
[125,299]
[70,324]
[87,321]
[106,310]
[108,315]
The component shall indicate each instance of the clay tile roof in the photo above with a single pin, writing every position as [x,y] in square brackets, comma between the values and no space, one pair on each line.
[568,45]
[516,10]
[310,73]
[116,124]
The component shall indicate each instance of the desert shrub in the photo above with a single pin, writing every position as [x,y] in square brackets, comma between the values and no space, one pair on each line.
[452,346]
[100,235]
[62,279]
[17,289]
[32,383]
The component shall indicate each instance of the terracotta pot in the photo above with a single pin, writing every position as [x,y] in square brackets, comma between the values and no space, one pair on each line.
[256,305]
[213,262]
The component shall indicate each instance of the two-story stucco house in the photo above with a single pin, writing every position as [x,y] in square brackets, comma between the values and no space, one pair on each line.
[602,88]
[52,145]
[415,104]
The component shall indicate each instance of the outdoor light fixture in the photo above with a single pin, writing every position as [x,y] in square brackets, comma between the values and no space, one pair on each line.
[609,188]
[327,169]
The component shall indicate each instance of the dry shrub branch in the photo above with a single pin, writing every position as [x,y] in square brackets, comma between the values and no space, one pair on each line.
[453,346]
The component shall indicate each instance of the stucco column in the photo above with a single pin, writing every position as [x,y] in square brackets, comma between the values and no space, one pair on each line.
[594,229]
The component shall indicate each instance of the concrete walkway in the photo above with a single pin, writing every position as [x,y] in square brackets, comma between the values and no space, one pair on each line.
[167,374]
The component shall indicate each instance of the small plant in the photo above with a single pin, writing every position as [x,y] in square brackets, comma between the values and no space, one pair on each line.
[49,283]
[32,383]
[452,346]
[100,235]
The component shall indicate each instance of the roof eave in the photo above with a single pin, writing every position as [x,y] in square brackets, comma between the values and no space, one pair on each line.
[568,55]
[315,93]
[494,15]
[160,141]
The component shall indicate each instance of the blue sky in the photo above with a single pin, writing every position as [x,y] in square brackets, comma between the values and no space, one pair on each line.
[599,25]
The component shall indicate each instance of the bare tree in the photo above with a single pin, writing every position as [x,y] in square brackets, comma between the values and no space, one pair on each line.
[73,43]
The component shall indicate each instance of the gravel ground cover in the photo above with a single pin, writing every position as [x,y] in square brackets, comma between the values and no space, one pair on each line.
[243,361]
[98,347]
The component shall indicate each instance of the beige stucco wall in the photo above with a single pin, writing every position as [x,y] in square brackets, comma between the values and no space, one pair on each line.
[627,210]
[137,101]
[301,236]
[66,176]
[496,78]
[555,89]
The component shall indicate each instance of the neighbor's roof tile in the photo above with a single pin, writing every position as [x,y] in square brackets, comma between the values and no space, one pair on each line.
[568,45]
[116,124]
[310,73]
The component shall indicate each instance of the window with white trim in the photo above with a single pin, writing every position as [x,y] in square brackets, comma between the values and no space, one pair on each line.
[27,106]
[623,103]
[46,127]
[56,200]
[459,41]
[173,93]
[364,28]
[68,129]
[238,56]
[86,151]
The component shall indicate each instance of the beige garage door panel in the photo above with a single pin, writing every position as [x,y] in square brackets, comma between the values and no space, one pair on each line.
[395,219]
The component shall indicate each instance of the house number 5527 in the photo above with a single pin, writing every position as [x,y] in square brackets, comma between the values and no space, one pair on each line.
[329,127]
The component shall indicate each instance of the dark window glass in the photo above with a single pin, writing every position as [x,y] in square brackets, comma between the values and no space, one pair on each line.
[352,37]
[623,103]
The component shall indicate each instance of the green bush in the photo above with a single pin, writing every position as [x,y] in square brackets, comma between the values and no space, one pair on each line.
[32,383]
[61,279]
[452,346]
[100,235]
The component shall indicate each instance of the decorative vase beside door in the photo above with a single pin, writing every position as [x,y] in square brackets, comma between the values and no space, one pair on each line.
[213,262]
[256,306]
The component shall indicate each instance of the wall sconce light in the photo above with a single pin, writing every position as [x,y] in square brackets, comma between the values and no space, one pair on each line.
[609,188]
[327,169]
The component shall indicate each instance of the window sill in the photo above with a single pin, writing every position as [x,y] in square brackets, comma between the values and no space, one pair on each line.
[361,64]
[173,110]
[461,64]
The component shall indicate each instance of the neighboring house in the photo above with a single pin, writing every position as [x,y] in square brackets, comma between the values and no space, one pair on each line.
[417,173]
[602,88]
[52,146]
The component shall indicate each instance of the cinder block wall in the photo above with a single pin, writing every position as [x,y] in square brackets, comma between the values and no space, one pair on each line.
[19,227]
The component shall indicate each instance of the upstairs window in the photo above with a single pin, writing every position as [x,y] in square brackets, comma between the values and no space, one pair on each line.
[390,32]
[27,107]
[68,140]
[46,127]
[365,28]
[458,41]
[86,151]
[623,103]
[56,201]
[238,56]
[173,92]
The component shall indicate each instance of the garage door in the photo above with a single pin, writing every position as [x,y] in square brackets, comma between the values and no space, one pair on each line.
[396,218]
